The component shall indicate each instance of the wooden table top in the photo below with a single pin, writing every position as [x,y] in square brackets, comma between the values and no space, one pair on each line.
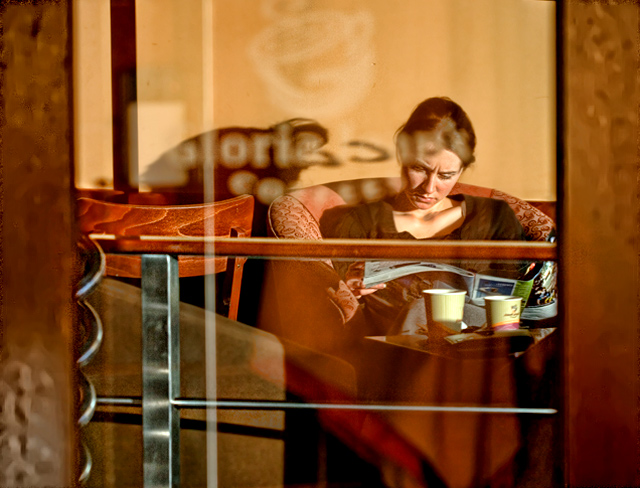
[472,345]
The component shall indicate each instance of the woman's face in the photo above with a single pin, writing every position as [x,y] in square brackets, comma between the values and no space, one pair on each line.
[430,178]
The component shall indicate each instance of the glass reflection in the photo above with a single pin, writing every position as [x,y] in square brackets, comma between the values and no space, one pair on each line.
[297,103]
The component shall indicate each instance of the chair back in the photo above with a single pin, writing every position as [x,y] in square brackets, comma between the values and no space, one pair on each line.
[296,214]
[227,218]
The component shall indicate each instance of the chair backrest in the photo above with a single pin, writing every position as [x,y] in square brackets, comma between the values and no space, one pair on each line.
[227,218]
[296,214]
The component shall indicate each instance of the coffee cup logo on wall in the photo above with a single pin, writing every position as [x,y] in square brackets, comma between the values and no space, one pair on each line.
[316,61]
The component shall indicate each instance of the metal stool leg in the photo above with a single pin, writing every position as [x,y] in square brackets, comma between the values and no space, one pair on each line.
[160,370]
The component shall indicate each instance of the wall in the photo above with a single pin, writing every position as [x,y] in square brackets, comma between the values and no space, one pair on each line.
[357,67]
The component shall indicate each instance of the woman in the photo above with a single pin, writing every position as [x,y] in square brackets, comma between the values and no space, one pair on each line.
[434,147]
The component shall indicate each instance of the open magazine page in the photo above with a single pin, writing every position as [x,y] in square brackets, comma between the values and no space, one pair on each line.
[478,286]
[493,285]
[376,272]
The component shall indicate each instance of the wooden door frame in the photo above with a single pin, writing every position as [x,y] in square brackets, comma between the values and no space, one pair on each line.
[598,206]
[598,199]
[37,369]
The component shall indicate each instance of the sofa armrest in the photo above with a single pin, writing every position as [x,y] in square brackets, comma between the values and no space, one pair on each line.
[537,225]
[288,218]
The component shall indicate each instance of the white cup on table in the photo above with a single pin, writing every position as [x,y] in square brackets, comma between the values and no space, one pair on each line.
[445,308]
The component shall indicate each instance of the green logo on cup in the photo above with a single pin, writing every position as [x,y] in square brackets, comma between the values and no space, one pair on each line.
[503,312]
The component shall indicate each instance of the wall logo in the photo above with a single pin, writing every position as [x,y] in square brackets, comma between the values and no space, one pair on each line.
[318,63]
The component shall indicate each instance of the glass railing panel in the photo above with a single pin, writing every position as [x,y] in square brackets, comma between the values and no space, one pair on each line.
[304,376]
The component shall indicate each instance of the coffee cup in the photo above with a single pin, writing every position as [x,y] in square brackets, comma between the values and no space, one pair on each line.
[503,312]
[445,308]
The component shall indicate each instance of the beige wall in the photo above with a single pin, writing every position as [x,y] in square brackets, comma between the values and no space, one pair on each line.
[357,66]
[92,92]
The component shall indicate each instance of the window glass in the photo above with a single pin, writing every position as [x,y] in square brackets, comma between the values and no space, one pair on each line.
[306,106]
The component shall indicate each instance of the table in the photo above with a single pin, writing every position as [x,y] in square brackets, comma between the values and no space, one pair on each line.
[480,408]
[508,344]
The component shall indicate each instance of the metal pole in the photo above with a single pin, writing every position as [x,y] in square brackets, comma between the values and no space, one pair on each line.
[160,371]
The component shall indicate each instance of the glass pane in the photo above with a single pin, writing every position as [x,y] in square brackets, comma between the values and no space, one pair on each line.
[299,104]
[420,386]
[306,395]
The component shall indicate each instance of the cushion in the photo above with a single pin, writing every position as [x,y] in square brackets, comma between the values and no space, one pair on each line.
[536,224]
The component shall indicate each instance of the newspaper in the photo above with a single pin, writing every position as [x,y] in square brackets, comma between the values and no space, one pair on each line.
[478,285]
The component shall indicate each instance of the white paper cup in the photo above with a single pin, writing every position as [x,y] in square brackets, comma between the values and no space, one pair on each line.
[503,312]
[445,307]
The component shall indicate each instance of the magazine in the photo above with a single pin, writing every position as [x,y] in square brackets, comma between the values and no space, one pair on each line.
[478,285]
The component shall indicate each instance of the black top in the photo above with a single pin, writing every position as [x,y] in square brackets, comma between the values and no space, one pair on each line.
[485,219]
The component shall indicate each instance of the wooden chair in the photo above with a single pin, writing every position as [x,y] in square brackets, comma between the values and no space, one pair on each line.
[252,364]
[159,297]
[221,219]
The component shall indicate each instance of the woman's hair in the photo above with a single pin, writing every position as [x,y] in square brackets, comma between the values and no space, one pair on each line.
[437,123]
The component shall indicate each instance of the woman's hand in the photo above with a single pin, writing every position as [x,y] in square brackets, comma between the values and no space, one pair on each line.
[354,280]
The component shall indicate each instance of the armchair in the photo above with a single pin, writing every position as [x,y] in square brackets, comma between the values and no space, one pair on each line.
[296,215]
